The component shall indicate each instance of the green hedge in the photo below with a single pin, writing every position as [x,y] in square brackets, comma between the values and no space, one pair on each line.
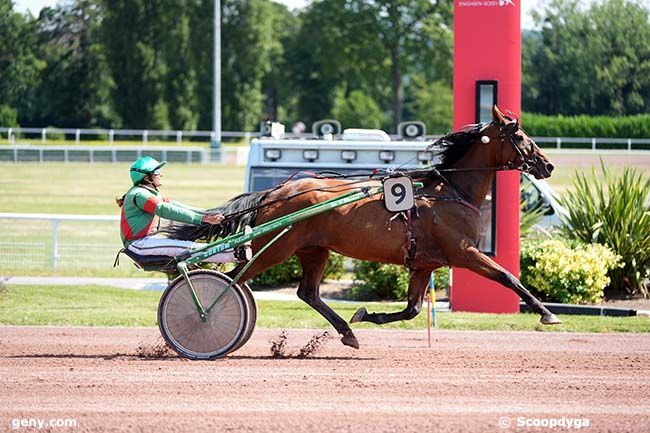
[540,125]
[381,281]
[290,272]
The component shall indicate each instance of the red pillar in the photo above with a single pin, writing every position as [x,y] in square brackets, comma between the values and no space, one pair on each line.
[487,46]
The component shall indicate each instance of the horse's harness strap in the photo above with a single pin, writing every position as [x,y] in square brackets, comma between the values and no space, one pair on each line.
[410,241]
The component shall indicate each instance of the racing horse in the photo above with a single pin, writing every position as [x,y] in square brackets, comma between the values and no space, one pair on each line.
[445,221]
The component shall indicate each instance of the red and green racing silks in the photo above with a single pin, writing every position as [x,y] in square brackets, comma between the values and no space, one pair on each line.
[143,208]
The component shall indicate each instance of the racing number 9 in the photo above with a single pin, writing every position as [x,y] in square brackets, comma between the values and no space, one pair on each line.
[399,192]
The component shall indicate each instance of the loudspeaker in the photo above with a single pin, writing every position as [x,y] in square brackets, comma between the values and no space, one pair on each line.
[324,127]
[411,130]
[271,129]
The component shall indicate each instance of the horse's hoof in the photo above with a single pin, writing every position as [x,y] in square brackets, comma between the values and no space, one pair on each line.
[350,340]
[550,319]
[359,315]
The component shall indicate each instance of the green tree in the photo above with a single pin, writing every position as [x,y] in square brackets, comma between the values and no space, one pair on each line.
[370,46]
[276,84]
[358,110]
[182,84]
[134,32]
[433,104]
[76,84]
[594,60]
[19,65]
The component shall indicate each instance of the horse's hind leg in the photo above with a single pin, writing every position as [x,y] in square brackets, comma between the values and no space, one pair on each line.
[418,283]
[314,261]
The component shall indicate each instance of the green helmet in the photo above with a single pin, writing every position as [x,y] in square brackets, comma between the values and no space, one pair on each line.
[144,166]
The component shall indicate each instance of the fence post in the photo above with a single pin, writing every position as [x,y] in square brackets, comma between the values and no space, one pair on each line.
[629,145]
[593,144]
[65,155]
[77,135]
[40,155]
[145,135]
[179,137]
[91,155]
[111,136]
[43,135]
[10,133]
[114,155]
[55,243]
[558,142]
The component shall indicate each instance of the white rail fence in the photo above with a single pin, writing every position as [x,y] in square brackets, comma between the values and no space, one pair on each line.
[28,153]
[52,241]
[111,136]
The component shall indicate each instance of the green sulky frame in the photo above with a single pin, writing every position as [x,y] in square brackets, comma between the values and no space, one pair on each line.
[283,223]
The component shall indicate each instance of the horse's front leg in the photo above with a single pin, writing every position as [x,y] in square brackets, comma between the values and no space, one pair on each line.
[418,283]
[476,261]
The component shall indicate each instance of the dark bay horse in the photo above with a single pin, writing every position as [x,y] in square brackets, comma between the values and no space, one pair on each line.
[446,226]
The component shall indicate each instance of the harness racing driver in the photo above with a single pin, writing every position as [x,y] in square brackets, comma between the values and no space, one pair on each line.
[142,208]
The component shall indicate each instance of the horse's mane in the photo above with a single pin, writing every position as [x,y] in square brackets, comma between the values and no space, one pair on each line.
[456,144]
[232,225]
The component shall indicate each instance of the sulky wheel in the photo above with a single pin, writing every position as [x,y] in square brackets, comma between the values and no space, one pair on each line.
[226,326]
[252,316]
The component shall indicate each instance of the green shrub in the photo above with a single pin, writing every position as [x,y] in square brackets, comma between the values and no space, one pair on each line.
[540,125]
[566,271]
[290,272]
[53,134]
[614,211]
[8,116]
[381,281]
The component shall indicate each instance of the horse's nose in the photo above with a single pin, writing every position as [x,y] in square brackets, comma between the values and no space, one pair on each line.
[549,167]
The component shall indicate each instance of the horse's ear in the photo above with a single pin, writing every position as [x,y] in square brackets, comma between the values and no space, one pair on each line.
[498,116]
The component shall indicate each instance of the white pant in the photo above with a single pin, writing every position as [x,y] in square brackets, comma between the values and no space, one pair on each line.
[158,246]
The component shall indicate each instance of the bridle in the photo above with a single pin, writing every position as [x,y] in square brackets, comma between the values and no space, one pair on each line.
[521,162]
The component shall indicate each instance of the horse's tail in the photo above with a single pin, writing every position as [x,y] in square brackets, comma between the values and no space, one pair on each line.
[235,212]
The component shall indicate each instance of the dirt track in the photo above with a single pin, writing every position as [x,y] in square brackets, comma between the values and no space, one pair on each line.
[466,382]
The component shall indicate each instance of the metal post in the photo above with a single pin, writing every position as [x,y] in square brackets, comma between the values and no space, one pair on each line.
[179,137]
[629,144]
[145,135]
[55,243]
[558,142]
[91,156]
[111,136]
[593,144]
[114,155]
[65,155]
[40,155]
[216,91]
[43,135]
[77,137]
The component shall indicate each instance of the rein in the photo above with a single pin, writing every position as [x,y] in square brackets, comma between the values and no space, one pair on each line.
[505,132]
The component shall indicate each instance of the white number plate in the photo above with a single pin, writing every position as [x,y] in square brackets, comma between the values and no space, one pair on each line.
[398,194]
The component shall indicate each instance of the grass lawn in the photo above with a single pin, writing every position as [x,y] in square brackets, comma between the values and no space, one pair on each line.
[83,188]
[107,306]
